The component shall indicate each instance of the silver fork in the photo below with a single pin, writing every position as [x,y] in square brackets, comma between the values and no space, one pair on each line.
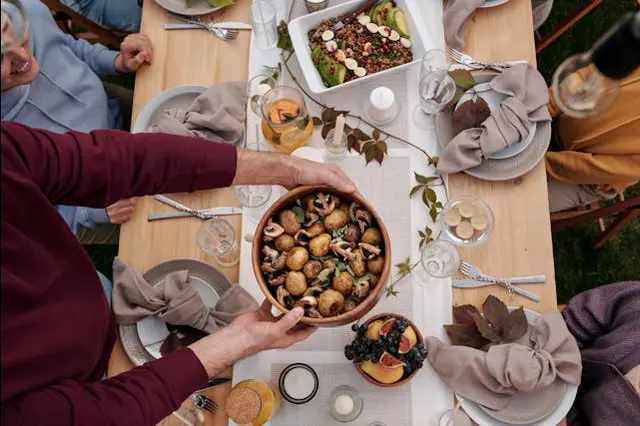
[222,34]
[204,403]
[475,273]
[468,61]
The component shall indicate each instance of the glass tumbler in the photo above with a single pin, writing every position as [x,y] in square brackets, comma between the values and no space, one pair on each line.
[217,238]
[254,198]
[263,20]
[439,259]
[436,88]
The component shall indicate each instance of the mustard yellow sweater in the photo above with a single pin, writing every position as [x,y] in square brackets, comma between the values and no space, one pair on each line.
[602,151]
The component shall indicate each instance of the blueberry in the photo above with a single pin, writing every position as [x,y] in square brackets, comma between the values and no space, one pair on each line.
[363,327]
[355,328]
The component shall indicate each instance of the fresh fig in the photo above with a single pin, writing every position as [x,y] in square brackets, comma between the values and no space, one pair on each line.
[387,326]
[389,361]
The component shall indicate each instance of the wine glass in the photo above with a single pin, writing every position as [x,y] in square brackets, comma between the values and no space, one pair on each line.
[254,198]
[217,238]
[439,259]
[436,88]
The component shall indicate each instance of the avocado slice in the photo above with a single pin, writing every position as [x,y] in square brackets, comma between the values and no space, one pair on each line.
[325,67]
[383,12]
[398,21]
[372,11]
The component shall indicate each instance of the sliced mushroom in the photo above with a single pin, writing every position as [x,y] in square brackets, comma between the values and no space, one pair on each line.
[302,237]
[350,304]
[313,313]
[352,210]
[369,251]
[361,290]
[363,218]
[352,233]
[283,296]
[310,218]
[343,249]
[307,302]
[277,281]
[272,254]
[324,204]
[280,262]
[267,267]
[314,291]
[273,230]
[329,264]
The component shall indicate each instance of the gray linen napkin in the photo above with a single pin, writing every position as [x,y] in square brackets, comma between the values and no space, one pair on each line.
[217,113]
[173,300]
[491,378]
[455,15]
[509,123]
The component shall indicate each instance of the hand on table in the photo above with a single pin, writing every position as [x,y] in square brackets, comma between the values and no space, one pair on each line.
[121,211]
[135,50]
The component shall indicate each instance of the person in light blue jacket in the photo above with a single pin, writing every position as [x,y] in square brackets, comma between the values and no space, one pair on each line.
[121,15]
[53,82]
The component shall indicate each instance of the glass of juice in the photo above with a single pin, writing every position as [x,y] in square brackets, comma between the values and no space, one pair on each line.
[286,123]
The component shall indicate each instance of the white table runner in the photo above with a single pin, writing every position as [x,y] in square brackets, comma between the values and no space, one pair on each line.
[425,398]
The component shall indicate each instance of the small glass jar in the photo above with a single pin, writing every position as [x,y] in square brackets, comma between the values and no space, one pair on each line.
[252,403]
[336,150]
[316,5]
[345,403]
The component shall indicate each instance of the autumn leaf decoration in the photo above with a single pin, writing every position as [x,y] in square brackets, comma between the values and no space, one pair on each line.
[464,81]
[284,39]
[429,196]
[404,268]
[494,325]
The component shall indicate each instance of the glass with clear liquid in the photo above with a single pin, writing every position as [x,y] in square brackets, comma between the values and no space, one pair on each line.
[436,88]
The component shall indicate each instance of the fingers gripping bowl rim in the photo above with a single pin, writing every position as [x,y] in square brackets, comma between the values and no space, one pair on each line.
[368,303]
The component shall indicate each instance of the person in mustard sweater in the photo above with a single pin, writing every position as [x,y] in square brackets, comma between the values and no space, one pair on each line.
[600,155]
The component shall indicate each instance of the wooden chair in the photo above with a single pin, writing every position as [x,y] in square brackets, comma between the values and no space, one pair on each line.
[66,17]
[544,41]
[623,211]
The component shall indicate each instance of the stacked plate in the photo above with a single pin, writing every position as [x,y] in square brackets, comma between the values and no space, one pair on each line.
[142,341]
[510,163]
[545,408]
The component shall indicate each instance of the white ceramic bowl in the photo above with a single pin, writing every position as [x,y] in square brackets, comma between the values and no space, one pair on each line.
[176,97]
[299,29]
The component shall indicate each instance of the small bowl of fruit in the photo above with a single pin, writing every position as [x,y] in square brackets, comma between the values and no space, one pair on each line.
[388,350]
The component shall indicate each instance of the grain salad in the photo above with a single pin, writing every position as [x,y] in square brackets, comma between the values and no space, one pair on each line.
[376,41]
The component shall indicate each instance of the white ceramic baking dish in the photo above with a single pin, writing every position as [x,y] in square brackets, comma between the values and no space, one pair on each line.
[299,29]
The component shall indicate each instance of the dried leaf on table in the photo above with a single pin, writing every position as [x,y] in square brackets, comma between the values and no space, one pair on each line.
[360,135]
[496,312]
[317,121]
[326,129]
[353,144]
[518,325]
[465,335]
[433,161]
[471,114]
[376,134]
[486,329]
[464,314]
[374,151]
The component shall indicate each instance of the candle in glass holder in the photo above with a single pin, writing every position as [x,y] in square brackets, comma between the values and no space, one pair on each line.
[382,104]
[316,5]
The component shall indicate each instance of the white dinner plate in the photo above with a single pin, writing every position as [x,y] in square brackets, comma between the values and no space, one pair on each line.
[176,97]
[557,407]
[153,331]
[493,3]
[493,99]
[198,7]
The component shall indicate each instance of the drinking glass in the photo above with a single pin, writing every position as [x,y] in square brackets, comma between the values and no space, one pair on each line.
[15,25]
[254,198]
[217,238]
[466,221]
[286,123]
[439,259]
[190,416]
[263,20]
[258,87]
[435,87]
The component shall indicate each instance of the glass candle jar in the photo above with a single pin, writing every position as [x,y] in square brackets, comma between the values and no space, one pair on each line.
[252,402]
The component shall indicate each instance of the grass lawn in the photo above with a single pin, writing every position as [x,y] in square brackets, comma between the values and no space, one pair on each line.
[578,266]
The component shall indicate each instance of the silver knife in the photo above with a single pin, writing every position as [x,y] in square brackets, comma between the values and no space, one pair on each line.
[477,283]
[219,25]
[206,213]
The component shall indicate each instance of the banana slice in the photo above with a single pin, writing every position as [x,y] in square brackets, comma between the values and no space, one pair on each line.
[479,222]
[360,72]
[452,217]
[394,36]
[327,35]
[466,209]
[331,46]
[364,19]
[405,42]
[372,27]
[340,56]
[464,230]
[351,64]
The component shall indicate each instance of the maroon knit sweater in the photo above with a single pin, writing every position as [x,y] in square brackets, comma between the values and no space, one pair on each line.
[57,330]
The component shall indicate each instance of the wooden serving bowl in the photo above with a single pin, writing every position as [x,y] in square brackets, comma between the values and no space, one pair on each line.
[367,304]
[402,381]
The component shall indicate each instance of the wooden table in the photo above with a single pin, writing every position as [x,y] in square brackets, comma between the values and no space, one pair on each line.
[521,243]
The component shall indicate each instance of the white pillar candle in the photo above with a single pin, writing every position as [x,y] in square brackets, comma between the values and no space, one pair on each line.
[382,101]
[338,131]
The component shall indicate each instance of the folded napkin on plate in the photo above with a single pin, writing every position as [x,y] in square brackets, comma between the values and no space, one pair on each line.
[173,300]
[218,113]
[455,15]
[526,103]
[491,378]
